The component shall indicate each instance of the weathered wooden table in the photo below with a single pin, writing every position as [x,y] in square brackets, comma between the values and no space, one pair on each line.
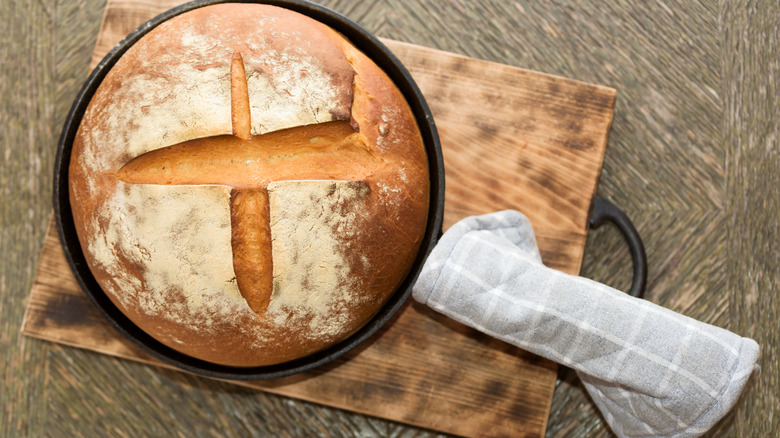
[693,158]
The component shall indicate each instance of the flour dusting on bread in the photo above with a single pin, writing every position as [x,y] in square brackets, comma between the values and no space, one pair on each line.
[312,275]
[181,248]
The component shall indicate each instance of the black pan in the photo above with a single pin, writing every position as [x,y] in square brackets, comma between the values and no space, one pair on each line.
[382,56]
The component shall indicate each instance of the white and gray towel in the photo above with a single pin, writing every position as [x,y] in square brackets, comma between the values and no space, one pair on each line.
[651,371]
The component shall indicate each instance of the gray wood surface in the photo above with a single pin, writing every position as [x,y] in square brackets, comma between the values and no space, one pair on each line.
[693,159]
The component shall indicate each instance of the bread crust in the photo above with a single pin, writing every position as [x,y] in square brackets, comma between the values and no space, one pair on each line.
[341,242]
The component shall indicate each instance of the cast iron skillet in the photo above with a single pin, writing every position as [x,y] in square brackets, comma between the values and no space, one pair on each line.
[371,46]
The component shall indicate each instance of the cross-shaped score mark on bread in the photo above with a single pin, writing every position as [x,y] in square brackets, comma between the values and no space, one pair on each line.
[247,163]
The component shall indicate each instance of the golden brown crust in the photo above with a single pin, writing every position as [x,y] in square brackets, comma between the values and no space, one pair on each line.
[333,167]
[251,242]
[239,99]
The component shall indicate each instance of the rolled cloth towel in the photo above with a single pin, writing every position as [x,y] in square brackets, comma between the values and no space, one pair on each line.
[651,371]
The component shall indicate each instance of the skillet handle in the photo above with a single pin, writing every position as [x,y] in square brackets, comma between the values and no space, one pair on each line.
[605,211]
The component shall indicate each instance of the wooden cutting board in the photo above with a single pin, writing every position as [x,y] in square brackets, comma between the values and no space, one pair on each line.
[511,138]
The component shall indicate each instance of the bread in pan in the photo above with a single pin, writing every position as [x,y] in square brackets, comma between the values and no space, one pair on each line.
[248,187]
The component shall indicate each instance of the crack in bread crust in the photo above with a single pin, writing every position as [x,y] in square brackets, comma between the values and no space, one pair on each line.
[248,164]
[251,243]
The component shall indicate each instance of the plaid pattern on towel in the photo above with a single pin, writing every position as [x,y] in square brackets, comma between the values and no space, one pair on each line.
[651,371]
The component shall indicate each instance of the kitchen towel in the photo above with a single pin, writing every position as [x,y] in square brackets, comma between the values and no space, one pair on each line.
[651,371]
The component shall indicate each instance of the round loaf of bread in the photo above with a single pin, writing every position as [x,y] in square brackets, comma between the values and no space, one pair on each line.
[247,187]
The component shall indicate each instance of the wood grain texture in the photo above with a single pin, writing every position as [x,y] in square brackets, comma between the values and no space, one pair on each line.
[690,160]
[41,69]
[540,144]
[750,59]
[517,139]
